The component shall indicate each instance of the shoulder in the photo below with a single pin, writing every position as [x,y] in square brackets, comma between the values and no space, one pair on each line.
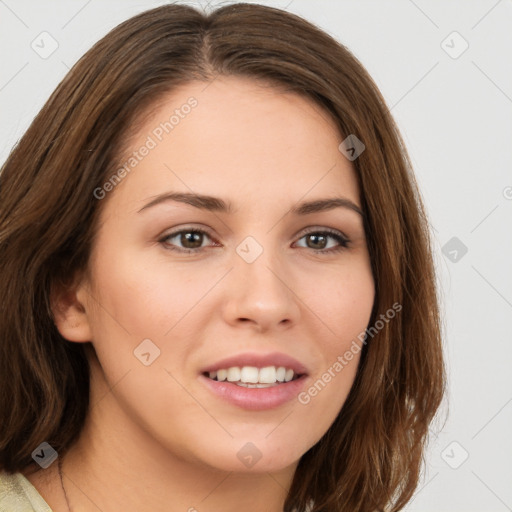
[17,494]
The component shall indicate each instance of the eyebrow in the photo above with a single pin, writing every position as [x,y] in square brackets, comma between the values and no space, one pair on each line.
[216,204]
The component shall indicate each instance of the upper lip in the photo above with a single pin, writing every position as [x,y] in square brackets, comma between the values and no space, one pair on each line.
[259,360]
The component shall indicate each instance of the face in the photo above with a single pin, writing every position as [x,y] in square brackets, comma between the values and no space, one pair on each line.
[176,286]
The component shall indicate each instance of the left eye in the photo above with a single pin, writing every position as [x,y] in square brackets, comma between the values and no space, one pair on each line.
[321,237]
[192,240]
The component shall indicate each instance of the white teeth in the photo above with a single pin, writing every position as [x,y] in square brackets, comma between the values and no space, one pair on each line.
[251,376]
[233,374]
[268,375]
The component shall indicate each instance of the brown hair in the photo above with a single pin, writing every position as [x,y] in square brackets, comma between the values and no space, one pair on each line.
[370,458]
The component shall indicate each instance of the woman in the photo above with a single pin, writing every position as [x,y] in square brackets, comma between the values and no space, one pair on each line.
[217,283]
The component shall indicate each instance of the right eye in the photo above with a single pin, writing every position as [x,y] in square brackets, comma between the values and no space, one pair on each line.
[190,238]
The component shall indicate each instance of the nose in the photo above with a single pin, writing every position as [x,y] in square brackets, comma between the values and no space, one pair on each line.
[261,294]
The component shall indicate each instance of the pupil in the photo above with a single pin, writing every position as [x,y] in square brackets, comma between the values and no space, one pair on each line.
[316,237]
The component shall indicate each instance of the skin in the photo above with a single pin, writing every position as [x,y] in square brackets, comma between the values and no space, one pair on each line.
[155,437]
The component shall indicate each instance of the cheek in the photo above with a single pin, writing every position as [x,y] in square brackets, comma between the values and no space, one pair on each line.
[138,299]
[354,302]
[143,297]
[342,299]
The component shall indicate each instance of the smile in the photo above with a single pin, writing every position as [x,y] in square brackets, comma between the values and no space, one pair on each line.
[253,377]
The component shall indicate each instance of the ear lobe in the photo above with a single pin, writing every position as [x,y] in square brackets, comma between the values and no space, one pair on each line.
[69,313]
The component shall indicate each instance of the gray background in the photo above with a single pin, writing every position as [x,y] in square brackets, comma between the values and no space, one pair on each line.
[454,109]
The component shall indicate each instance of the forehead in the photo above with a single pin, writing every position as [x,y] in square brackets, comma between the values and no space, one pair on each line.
[235,135]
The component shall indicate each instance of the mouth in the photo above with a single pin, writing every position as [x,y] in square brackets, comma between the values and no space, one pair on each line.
[253,376]
[255,381]
[244,388]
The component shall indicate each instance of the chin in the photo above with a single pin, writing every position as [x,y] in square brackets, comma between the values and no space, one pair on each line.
[246,456]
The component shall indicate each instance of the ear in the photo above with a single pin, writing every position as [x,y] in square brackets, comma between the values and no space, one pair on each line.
[70,311]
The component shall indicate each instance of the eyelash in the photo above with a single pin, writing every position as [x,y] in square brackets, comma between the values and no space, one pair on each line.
[343,241]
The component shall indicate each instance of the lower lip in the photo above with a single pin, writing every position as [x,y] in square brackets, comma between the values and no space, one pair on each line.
[256,399]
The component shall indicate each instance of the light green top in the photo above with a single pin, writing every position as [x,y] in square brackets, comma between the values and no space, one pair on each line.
[17,494]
